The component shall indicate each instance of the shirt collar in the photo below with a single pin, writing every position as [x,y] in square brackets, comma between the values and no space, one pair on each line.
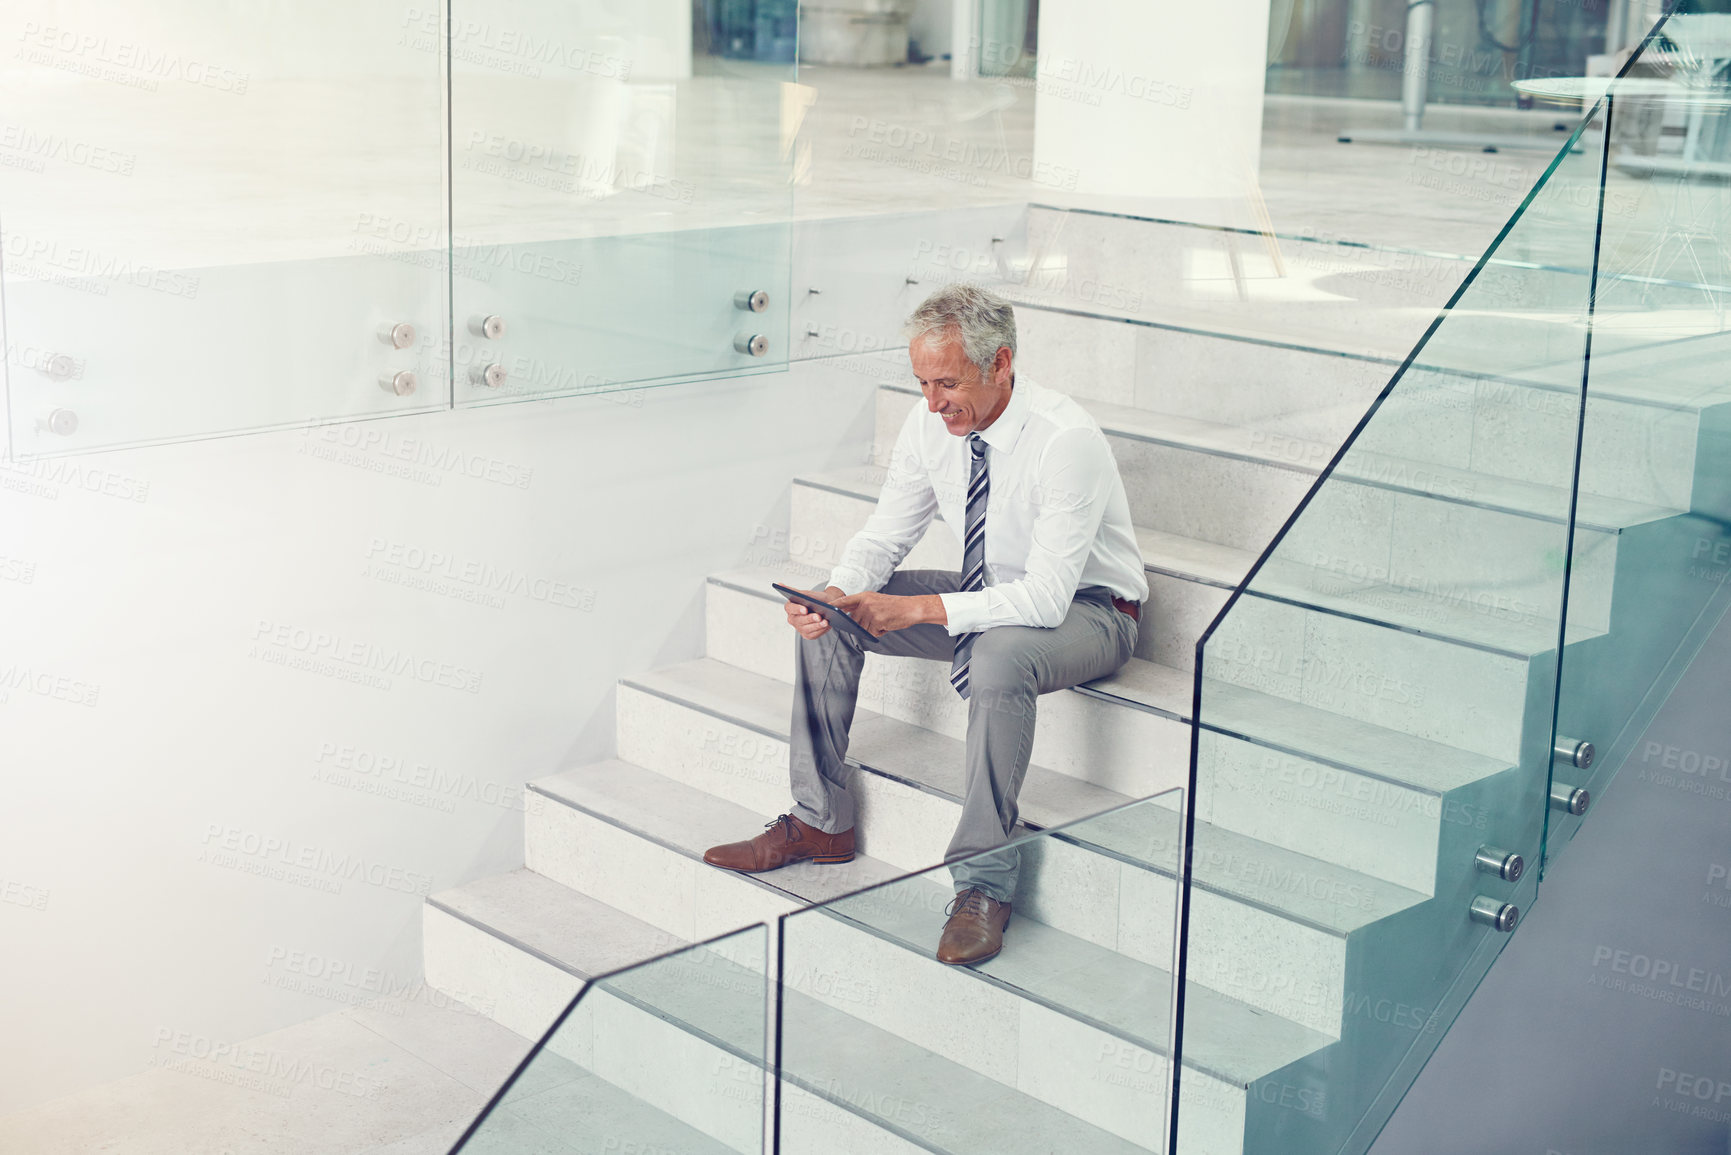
[1003,433]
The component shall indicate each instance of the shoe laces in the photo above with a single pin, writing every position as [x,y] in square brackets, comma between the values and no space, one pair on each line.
[785,821]
[972,901]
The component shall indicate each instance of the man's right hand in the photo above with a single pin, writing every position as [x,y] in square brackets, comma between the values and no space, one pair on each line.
[810,625]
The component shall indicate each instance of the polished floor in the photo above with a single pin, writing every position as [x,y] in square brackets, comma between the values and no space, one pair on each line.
[401,1075]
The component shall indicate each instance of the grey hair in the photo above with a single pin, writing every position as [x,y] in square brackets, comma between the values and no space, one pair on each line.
[984,321]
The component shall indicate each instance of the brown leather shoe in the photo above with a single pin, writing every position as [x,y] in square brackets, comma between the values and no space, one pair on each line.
[785,840]
[975,931]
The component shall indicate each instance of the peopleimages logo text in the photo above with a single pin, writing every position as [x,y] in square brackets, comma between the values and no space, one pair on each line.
[1661,970]
[223,842]
[366,656]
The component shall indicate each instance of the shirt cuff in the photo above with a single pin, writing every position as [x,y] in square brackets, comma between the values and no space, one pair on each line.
[848,581]
[965,612]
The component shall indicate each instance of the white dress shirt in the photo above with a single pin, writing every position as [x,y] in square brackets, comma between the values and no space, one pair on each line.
[1056,518]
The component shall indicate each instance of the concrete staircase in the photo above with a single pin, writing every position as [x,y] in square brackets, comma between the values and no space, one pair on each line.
[1366,734]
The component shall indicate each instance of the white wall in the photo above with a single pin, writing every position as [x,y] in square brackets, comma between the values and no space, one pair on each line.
[146,724]
[1161,102]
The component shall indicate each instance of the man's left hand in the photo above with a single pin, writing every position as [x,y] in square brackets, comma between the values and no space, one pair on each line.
[878,614]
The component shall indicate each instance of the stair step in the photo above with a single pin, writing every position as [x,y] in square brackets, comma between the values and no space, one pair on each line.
[1373,795]
[908,789]
[1449,614]
[1215,375]
[932,764]
[1307,458]
[1109,998]
[937,1104]
[517,947]
[687,821]
[1239,502]
[1084,732]
[1183,274]
[1642,411]
[1513,632]
[556,924]
[629,795]
[1162,552]
[1357,537]
[556,1094]
[1686,374]
[899,751]
[1084,1060]
[665,1060]
[1306,730]
[1146,685]
[1294,886]
[1112,992]
[1337,740]
[1426,643]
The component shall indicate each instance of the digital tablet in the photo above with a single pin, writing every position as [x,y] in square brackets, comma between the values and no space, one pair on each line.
[838,619]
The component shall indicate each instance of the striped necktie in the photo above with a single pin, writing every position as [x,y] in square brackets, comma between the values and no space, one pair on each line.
[973,554]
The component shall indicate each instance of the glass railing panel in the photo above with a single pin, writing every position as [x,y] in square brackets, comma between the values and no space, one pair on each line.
[1313,286]
[620,184]
[1658,409]
[209,226]
[1061,1042]
[1375,701]
[666,1055]
[1288,336]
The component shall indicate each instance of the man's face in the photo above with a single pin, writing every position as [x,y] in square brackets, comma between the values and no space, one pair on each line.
[954,386]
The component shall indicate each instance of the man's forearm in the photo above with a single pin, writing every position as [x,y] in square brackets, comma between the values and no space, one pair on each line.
[880,613]
[931,609]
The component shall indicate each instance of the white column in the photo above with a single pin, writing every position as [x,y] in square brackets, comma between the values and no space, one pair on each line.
[964,39]
[1156,100]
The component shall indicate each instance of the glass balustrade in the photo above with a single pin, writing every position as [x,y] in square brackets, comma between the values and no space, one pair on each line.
[209,226]
[620,196]
[1309,287]
[1374,703]
[1063,1041]
[666,1055]
[1492,582]
[1657,410]
[214,227]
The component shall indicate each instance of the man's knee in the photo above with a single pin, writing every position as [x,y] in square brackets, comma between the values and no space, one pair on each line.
[827,642]
[1002,647]
[1000,664]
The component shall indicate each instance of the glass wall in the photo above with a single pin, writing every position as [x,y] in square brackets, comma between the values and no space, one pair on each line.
[219,228]
[620,195]
[1477,48]
[212,226]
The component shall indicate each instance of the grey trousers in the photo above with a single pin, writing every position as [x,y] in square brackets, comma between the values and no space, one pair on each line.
[1011,666]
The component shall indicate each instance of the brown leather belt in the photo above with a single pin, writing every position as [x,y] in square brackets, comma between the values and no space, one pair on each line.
[1131,608]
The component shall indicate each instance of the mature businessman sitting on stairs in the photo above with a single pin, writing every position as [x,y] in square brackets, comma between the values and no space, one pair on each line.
[1048,597]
